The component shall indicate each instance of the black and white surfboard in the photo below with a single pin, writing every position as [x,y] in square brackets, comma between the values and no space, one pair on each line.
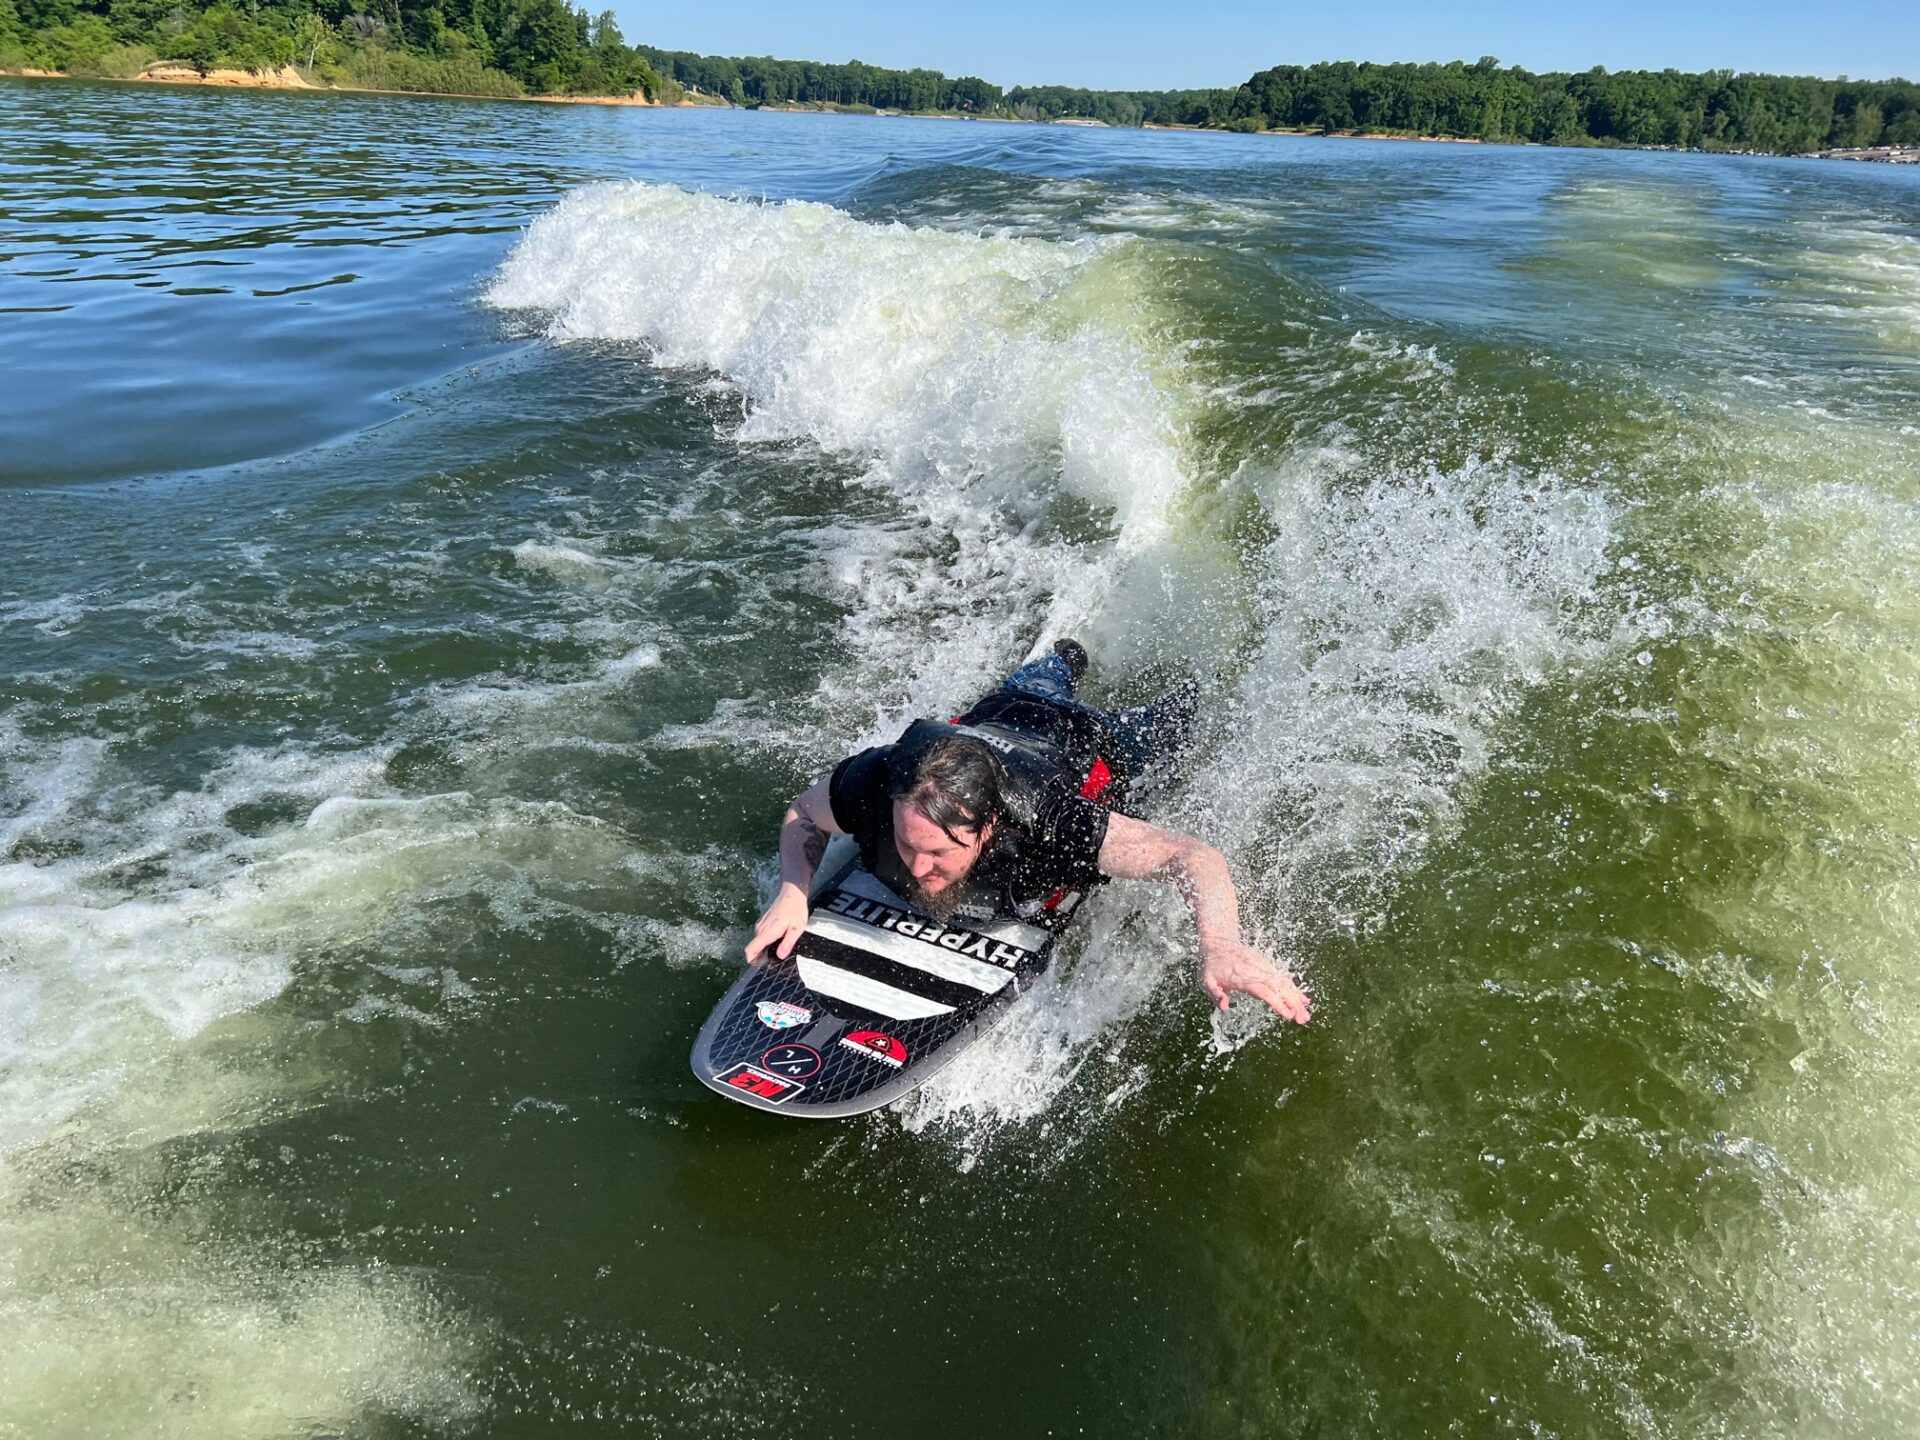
[875,999]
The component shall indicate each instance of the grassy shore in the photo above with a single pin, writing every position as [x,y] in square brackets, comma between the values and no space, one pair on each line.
[289,77]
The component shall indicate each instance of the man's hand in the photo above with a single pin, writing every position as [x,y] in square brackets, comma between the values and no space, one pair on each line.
[779,930]
[1228,966]
[803,840]
[1134,850]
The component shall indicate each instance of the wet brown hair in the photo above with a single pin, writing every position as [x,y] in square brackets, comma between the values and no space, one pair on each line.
[956,781]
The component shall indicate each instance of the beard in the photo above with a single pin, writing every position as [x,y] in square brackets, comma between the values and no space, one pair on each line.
[939,907]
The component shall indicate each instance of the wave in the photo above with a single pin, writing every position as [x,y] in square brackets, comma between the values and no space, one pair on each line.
[1044,418]
[1004,365]
[980,383]
[133,922]
[143,940]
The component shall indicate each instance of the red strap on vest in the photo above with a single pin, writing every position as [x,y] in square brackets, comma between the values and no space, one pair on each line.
[1092,788]
[1098,778]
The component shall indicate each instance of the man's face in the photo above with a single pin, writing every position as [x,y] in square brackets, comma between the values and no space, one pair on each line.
[937,863]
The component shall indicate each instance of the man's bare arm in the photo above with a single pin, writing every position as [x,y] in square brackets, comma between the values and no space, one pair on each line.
[1135,850]
[803,840]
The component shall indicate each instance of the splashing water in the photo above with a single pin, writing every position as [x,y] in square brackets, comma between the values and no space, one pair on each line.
[366,864]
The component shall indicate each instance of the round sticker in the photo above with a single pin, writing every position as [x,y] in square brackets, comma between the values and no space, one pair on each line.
[779,1015]
[796,1062]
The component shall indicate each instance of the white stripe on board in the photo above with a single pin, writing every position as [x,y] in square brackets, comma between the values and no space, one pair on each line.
[862,883]
[931,959]
[1012,932]
[838,984]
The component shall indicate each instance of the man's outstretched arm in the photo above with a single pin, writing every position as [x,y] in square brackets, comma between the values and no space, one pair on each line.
[1135,850]
[803,840]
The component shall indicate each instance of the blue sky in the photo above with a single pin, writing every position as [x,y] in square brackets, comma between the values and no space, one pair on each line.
[1133,45]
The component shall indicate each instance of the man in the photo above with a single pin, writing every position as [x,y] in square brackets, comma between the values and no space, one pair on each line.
[989,810]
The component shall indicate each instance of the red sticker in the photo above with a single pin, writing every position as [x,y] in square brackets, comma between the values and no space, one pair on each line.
[770,1088]
[876,1045]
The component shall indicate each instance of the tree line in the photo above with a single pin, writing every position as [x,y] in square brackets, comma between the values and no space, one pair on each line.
[549,46]
[762,80]
[1716,109]
[485,47]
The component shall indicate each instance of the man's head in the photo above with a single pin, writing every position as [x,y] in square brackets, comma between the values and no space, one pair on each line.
[948,798]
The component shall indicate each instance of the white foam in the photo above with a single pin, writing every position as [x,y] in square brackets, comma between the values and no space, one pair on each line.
[680,944]
[53,617]
[1131,945]
[255,644]
[155,917]
[565,563]
[1399,622]
[640,657]
[508,715]
[980,380]
[980,377]
[1422,361]
[166,1336]
[132,921]
[1404,618]
[45,783]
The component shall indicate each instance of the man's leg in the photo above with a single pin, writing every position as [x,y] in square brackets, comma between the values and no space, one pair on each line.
[1051,677]
[1138,735]
[1143,734]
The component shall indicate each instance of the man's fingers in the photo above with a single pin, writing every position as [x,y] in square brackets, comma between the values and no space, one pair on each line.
[1293,1002]
[1281,996]
[775,939]
[763,937]
[1274,995]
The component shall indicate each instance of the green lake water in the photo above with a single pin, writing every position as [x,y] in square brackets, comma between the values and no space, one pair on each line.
[437,538]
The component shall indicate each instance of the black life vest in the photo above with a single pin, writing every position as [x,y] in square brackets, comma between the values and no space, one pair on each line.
[1039,770]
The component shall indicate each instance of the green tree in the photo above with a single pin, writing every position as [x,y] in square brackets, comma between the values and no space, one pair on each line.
[311,37]
[1559,122]
[479,42]
[79,45]
[1861,128]
[136,21]
[540,45]
[37,15]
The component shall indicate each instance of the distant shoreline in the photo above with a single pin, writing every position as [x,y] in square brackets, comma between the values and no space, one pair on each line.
[288,77]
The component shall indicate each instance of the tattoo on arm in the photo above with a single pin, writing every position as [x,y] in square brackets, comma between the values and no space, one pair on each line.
[804,832]
[813,841]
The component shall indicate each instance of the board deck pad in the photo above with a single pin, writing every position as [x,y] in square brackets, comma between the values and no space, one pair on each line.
[874,999]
